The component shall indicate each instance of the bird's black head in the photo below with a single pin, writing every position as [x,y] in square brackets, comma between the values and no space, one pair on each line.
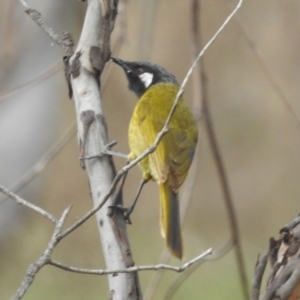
[141,74]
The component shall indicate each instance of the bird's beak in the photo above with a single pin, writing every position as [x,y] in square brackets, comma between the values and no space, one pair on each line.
[121,63]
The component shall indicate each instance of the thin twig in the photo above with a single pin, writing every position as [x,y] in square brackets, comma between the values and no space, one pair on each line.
[19,200]
[184,276]
[136,268]
[65,42]
[39,78]
[43,259]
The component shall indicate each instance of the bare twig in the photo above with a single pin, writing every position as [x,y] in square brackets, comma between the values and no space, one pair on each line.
[43,260]
[65,42]
[106,151]
[184,276]
[191,262]
[19,200]
[39,78]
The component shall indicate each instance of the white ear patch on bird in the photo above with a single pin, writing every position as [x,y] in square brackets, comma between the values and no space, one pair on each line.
[146,78]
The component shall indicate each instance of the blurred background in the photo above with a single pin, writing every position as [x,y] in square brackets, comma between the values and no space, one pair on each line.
[252,70]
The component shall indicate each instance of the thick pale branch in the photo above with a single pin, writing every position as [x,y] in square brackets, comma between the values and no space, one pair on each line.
[83,71]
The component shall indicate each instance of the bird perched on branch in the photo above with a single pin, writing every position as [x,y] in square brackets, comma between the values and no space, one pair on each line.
[168,165]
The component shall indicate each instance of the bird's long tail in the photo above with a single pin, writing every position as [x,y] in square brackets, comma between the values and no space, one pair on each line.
[170,219]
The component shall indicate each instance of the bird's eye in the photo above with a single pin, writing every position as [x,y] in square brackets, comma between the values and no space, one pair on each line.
[139,71]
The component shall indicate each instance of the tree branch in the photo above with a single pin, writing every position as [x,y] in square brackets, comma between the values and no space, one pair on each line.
[186,265]
[83,70]
[19,200]
[176,284]
[65,42]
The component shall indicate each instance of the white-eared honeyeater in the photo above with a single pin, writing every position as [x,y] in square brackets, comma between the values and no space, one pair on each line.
[168,165]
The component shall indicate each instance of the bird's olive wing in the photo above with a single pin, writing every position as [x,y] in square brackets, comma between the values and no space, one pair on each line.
[175,151]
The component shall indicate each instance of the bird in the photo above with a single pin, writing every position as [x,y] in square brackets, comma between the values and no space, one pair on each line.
[156,89]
